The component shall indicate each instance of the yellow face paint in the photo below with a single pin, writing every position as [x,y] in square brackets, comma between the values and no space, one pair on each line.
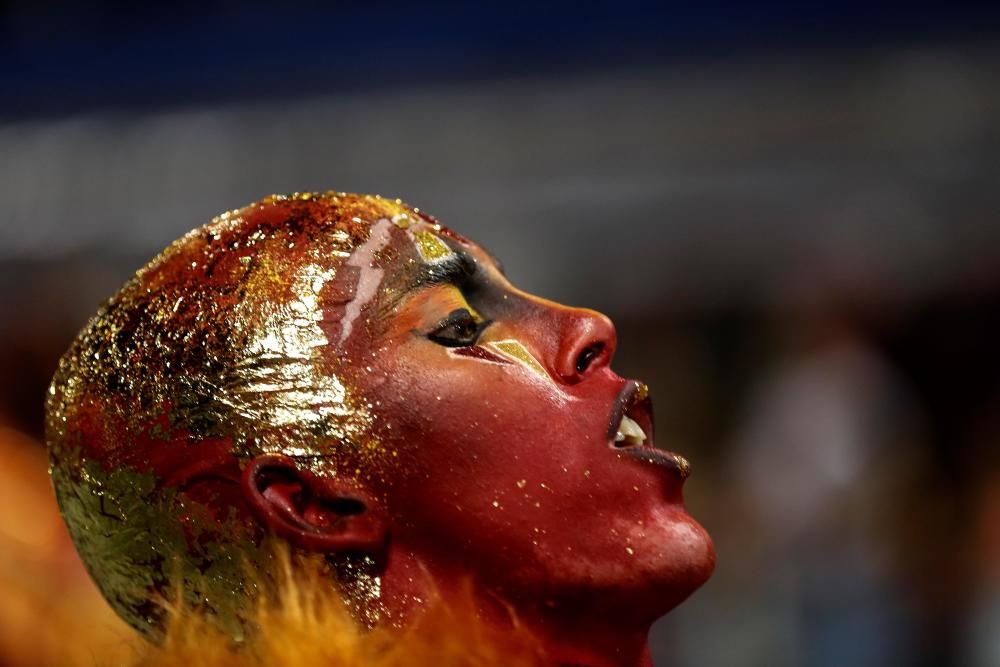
[431,248]
[513,349]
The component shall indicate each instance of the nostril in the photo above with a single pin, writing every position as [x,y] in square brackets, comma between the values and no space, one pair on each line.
[586,344]
[588,355]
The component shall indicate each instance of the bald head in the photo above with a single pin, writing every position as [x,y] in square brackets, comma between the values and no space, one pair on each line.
[228,345]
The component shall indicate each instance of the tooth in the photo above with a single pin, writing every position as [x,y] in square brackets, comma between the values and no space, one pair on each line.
[629,429]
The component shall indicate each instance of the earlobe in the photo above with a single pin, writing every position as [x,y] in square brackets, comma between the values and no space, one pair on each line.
[323,514]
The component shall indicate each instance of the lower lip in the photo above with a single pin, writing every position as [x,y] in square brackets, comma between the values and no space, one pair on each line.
[673,462]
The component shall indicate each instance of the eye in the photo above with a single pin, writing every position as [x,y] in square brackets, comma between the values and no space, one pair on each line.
[459,329]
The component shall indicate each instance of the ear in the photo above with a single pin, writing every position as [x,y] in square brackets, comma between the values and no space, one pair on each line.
[313,512]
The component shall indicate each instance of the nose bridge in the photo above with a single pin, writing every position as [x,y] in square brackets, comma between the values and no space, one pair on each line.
[575,342]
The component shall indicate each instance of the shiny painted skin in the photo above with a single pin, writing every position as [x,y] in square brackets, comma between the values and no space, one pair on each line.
[502,469]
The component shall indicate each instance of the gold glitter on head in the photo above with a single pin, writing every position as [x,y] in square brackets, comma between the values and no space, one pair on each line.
[401,220]
[220,349]
[276,378]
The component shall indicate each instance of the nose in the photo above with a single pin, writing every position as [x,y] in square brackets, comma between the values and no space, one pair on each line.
[587,344]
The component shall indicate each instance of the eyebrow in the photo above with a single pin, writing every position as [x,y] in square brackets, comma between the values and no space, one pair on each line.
[458,270]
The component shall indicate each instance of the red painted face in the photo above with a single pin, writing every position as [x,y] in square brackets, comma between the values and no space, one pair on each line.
[522,457]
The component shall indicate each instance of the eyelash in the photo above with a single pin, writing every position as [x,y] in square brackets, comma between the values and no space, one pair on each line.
[459,329]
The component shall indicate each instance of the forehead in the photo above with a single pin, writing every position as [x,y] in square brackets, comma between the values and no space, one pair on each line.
[381,229]
[407,251]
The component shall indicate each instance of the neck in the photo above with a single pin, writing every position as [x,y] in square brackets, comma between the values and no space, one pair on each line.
[567,633]
[580,638]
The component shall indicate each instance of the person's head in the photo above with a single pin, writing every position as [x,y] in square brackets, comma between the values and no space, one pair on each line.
[346,374]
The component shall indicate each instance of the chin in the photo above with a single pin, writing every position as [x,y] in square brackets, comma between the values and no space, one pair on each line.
[684,562]
[672,557]
[652,566]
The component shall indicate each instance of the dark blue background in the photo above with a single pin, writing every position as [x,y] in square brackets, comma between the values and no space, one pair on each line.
[57,58]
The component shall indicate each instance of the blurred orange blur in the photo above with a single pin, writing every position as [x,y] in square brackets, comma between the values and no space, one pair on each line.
[50,611]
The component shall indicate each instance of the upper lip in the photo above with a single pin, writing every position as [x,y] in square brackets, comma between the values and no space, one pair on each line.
[632,401]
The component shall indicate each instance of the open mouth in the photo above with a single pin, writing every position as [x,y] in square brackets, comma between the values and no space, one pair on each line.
[630,430]
[632,418]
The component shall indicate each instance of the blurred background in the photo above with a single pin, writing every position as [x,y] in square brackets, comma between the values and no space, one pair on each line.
[791,212]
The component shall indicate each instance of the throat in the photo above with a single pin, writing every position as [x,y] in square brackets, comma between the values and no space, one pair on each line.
[576,640]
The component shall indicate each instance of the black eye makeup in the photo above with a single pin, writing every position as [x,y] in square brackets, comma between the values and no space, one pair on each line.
[459,329]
